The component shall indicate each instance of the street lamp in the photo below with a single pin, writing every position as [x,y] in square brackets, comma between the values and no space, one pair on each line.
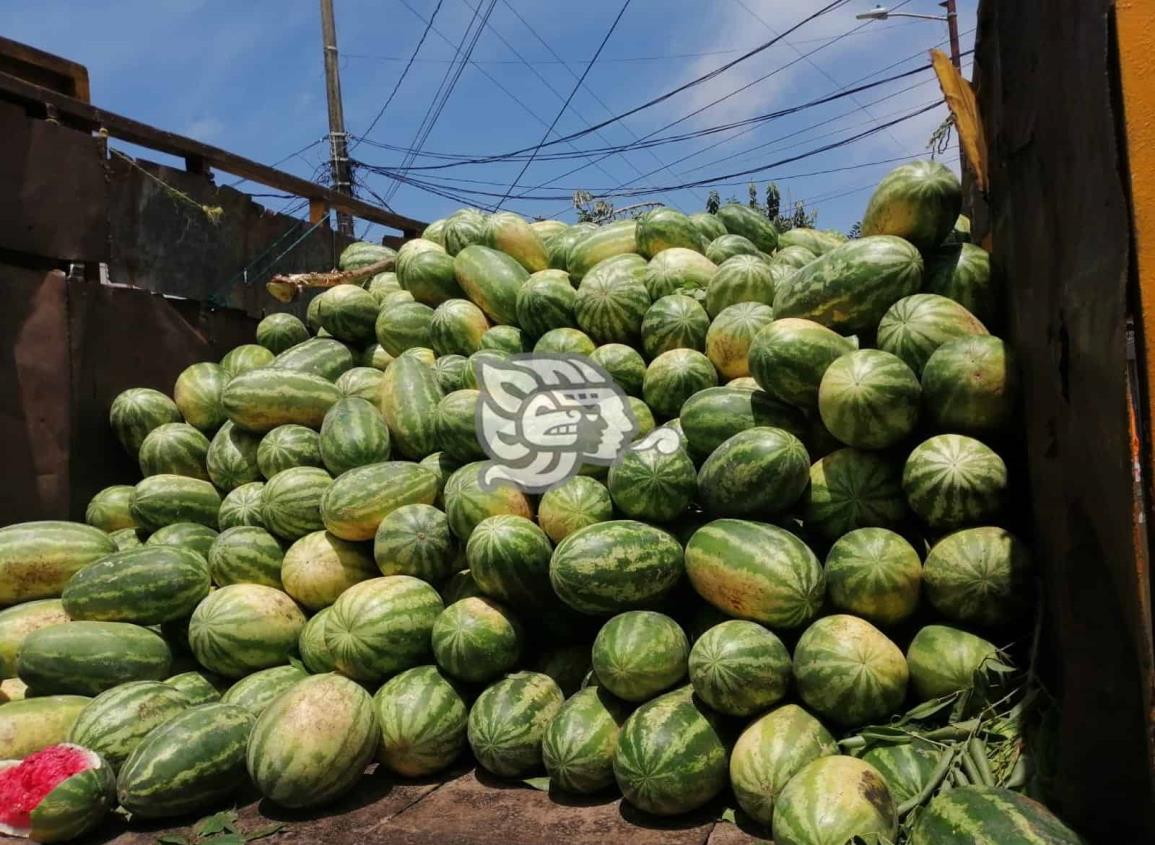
[881,13]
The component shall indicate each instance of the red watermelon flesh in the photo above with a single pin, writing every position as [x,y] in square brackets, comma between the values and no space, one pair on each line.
[24,784]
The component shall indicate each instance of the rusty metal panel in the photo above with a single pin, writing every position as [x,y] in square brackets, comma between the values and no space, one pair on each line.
[1061,239]
[52,189]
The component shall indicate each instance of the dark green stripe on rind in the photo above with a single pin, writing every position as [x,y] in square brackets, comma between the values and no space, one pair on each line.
[255,692]
[508,720]
[241,628]
[291,505]
[476,639]
[760,472]
[982,814]
[423,722]
[353,507]
[951,481]
[246,554]
[161,500]
[409,397]
[579,744]
[740,668]
[640,653]
[260,400]
[117,720]
[321,357]
[149,585]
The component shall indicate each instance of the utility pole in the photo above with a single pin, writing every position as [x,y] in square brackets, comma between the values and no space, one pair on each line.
[338,140]
[952,28]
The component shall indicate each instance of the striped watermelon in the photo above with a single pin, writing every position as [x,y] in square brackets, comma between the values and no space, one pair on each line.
[508,720]
[353,434]
[624,363]
[416,540]
[510,233]
[128,538]
[363,253]
[38,558]
[423,722]
[564,342]
[373,356]
[572,505]
[86,658]
[559,246]
[852,286]
[161,500]
[665,228]
[357,501]
[347,312]
[915,326]
[381,626]
[613,239]
[458,586]
[16,623]
[323,357]
[491,279]
[874,573]
[579,743]
[197,687]
[456,327]
[969,385]
[241,628]
[907,769]
[759,472]
[739,668]
[951,481]
[116,721]
[869,399]
[247,356]
[546,301]
[232,457]
[149,585]
[962,272]
[111,508]
[256,692]
[425,270]
[652,482]
[770,751]
[640,653]
[978,576]
[476,640]
[314,650]
[509,559]
[569,665]
[795,257]
[612,300]
[671,756]
[462,229]
[852,489]
[815,240]
[319,567]
[31,724]
[970,814]
[834,799]
[455,424]
[278,332]
[313,314]
[188,535]
[197,393]
[260,400]
[57,794]
[450,372]
[708,226]
[674,322]
[848,671]
[311,744]
[742,278]
[469,376]
[288,446]
[362,383]
[749,223]
[395,297]
[731,333]
[675,376]
[191,762]
[788,358]
[613,566]
[381,283]
[678,270]
[711,417]
[174,449]
[242,506]
[409,397]
[467,503]
[944,660]
[725,247]
[504,338]
[404,326]
[292,501]
[919,201]
[547,229]
[755,571]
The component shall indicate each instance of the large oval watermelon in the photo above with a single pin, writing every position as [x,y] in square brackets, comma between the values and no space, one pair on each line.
[678,270]
[749,223]
[618,238]
[457,326]
[509,558]
[148,585]
[31,724]
[759,472]
[241,628]
[491,279]
[612,300]
[353,434]
[510,233]
[969,814]
[318,567]
[665,228]
[347,313]
[714,415]
[260,400]
[117,720]
[256,692]
[789,357]
[323,357]
[291,505]
[197,393]
[915,326]
[38,558]
[353,507]
[409,397]
[87,658]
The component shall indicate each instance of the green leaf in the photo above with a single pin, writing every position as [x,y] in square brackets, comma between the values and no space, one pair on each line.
[227,839]
[728,815]
[928,709]
[172,839]
[216,823]
[541,783]
[266,830]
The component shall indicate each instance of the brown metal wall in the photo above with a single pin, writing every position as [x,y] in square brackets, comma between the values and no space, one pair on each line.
[1061,239]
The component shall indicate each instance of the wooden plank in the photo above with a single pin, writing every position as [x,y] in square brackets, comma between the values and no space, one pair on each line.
[45,69]
[133,131]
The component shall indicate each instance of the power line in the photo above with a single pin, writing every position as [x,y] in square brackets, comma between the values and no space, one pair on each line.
[568,100]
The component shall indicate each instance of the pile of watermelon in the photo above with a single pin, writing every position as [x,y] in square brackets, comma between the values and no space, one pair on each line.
[313,575]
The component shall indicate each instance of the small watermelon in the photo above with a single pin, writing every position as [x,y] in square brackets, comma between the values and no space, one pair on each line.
[675,321]
[175,449]
[638,654]
[731,334]
[652,481]
[353,434]
[246,554]
[508,720]
[579,744]
[278,332]
[675,376]
[255,692]
[624,364]
[740,668]
[678,270]
[509,559]
[915,326]
[423,722]
[288,446]
[874,573]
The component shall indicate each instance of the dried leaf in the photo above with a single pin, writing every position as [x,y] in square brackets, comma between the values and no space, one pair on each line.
[172,839]
[227,839]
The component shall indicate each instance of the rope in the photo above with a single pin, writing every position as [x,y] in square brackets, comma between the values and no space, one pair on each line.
[213,213]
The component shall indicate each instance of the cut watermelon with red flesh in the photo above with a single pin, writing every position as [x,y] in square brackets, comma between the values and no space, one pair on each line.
[55,794]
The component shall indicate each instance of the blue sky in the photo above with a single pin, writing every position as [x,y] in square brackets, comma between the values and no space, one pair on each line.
[248,77]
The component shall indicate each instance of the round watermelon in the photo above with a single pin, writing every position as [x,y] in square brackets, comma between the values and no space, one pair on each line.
[404,326]
[231,459]
[546,301]
[426,272]
[457,326]
[509,558]
[572,505]
[731,334]
[624,364]
[256,692]
[347,313]
[742,278]
[874,573]
[319,567]
[915,326]
[508,720]
[664,228]
[675,376]
[848,671]
[476,640]
[277,332]
[951,480]
[504,338]
[675,321]
[962,272]
[869,399]
[468,501]
[708,225]
[423,722]
[450,372]
[241,628]
[197,394]
[789,357]
[247,356]
[638,654]
[291,505]
[678,270]
[111,508]
[759,472]
[834,800]
[174,449]
[907,769]
[353,434]
[579,743]
[724,247]
[740,668]
[652,481]
[978,576]
[416,540]
[564,341]
[852,489]
[455,422]
[288,446]
[363,382]
[242,506]
[943,660]
[612,300]
[969,385]
[919,201]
